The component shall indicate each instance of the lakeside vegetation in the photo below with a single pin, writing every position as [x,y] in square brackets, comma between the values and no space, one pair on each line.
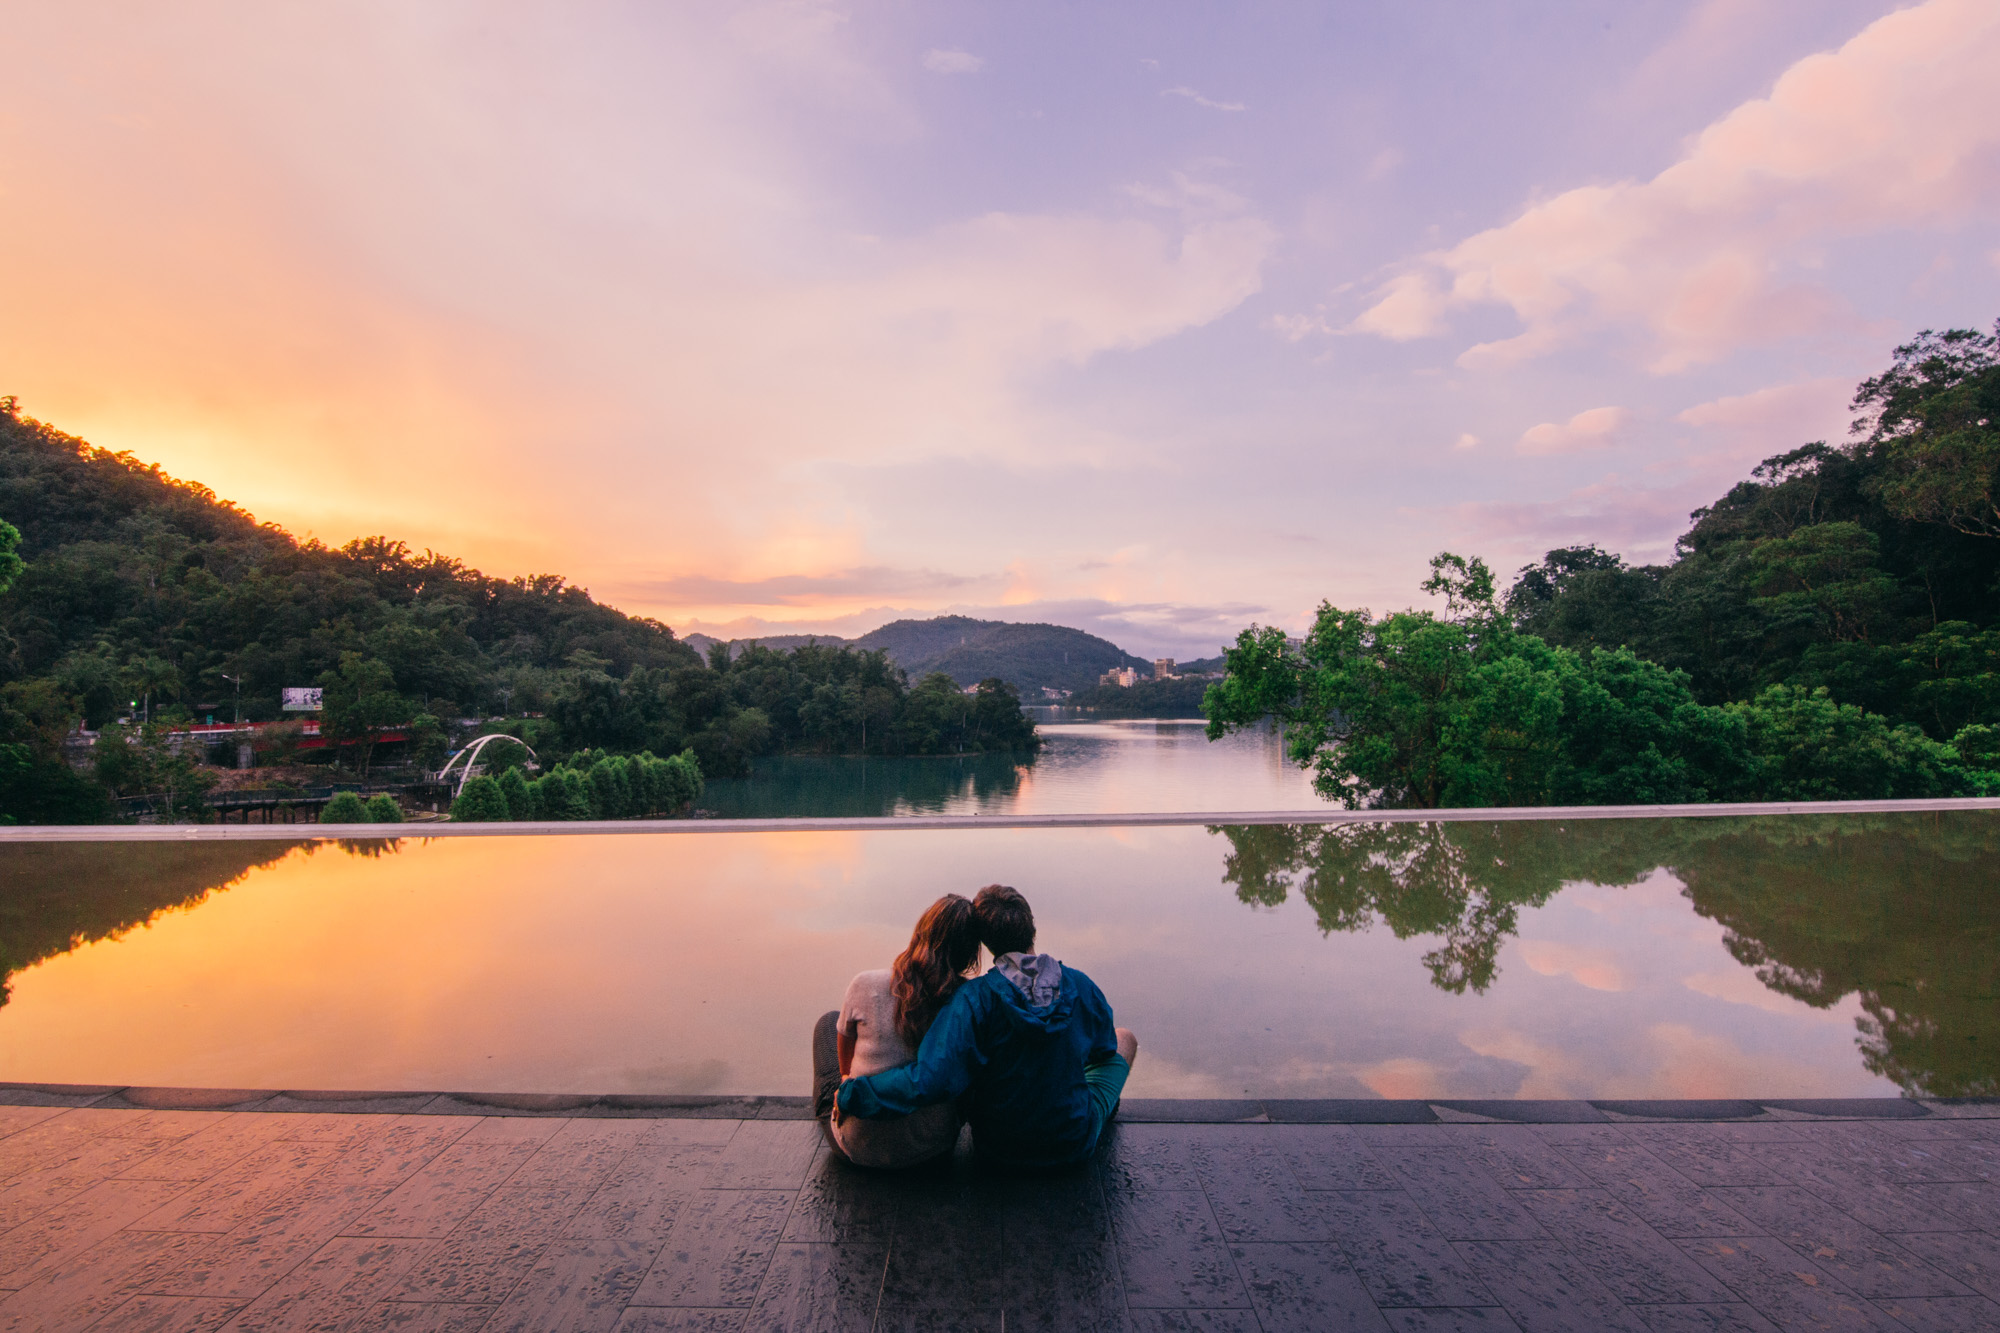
[1827,630]
[127,593]
[1146,698]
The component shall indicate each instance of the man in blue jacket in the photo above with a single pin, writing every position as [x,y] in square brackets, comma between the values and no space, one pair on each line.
[1029,1046]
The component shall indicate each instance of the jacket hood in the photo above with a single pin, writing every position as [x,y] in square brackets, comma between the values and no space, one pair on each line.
[1039,994]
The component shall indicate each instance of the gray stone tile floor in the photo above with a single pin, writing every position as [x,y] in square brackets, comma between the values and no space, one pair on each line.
[123,1209]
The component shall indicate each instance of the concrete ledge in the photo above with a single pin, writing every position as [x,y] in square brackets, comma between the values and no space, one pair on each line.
[599,828]
[1135,1110]
[1189,1111]
[378,1103]
[1853,1108]
[53,1094]
[1681,1110]
[189,1099]
[1523,1112]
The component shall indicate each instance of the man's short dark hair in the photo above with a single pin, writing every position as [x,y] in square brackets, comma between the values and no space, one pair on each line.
[1006,922]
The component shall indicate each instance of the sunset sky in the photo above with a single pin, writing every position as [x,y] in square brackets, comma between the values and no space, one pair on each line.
[1151,318]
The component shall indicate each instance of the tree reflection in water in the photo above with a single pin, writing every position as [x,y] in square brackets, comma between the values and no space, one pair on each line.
[55,897]
[1898,909]
[848,787]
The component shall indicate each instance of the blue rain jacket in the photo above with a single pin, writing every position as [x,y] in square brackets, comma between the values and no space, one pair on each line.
[1019,1065]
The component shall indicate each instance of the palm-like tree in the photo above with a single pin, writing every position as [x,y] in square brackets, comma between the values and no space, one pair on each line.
[150,675]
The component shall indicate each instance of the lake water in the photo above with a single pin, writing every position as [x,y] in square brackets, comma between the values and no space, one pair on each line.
[1803,956]
[1121,767]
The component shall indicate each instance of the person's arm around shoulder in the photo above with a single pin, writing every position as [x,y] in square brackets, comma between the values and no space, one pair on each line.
[946,1061]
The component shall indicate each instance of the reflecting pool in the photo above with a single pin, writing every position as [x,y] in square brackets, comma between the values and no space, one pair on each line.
[1113,767]
[1801,956]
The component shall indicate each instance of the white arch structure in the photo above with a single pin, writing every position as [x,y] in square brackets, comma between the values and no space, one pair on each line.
[470,754]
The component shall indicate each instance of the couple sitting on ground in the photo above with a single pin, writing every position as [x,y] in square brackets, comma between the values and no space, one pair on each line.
[1025,1053]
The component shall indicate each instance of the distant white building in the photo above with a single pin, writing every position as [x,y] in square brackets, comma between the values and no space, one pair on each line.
[1124,677]
[1163,669]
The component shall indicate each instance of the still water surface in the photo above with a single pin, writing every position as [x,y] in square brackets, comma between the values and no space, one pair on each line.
[1120,767]
[1801,956]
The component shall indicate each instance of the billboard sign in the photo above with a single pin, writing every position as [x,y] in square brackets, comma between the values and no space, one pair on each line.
[302,699]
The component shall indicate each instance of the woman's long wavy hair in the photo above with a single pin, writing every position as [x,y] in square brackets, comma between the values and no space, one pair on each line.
[929,972]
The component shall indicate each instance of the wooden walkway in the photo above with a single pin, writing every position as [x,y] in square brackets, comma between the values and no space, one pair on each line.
[117,1216]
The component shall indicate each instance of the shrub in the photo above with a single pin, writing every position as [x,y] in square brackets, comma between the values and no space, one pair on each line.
[345,808]
[685,775]
[382,809]
[45,790]
[561,794]
[514,787]
[610,791]
[480,802]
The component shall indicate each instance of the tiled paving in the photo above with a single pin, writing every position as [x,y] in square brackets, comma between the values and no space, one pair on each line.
[116,1216]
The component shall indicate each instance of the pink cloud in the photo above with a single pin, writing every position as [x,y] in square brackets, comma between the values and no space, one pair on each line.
[1899,128]
[1806,410]
[1595,428]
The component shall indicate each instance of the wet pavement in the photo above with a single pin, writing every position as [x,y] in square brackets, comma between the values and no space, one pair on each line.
[127,1209]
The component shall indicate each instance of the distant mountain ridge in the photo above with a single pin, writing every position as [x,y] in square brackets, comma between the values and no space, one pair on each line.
[1027,656]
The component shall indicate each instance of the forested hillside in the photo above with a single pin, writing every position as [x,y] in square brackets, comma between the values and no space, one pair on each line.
[1827,630]
[1872,570]
[1026,656]
[145,595]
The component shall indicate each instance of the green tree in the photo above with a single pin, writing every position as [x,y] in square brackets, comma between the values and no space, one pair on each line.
[428,744]
[562,794]
[150,677]
[994,720]
[480,801]
[683,782]
[346,807]
[513,786]
[37,713]
[830,719]
[610,788]
[1807,747]
[1380,710]
[11,563]
[1934,420]
[1826,576]
[150,762]
[40,789]
[360,700]
[382,809]
[1416,709]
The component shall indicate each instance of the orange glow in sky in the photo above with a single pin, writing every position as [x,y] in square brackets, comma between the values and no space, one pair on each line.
[766,315]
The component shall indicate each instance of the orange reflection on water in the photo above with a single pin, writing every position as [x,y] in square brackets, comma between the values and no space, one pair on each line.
[697,962]
[525,953]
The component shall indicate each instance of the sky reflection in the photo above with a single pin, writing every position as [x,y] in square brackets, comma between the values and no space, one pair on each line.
[1624,958]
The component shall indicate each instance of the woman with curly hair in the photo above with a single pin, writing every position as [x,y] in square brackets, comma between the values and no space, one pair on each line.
[879,1025]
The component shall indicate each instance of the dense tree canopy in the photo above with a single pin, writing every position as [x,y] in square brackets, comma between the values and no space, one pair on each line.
[1827,630]
[1870,569]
